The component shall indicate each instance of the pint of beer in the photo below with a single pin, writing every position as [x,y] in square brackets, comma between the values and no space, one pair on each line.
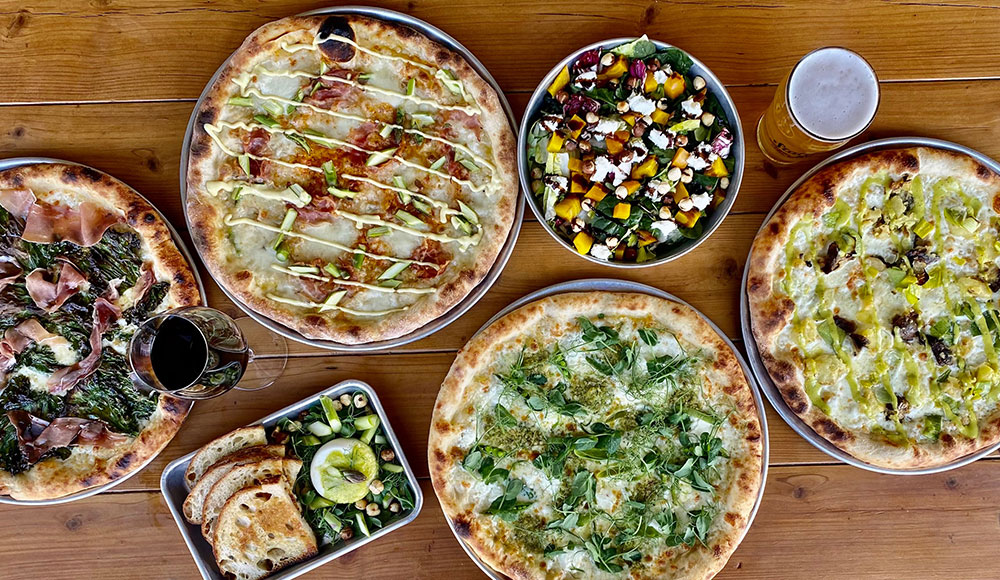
[830,97]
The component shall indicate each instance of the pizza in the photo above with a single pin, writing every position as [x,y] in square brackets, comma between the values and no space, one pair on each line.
[83,261]
[598,435]
[349,177]
[873,300]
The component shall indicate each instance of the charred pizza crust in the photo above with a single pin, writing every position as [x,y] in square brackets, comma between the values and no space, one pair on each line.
[771,310]
[88,467]
[463,388]
[205,217]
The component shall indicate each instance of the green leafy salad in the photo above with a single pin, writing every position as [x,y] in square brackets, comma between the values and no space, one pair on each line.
[352,483]
[629,152]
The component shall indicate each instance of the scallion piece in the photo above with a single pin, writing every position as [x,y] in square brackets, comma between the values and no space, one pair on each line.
[438,164]
[359,258]
[329,173]
[468,164]
[298,140]
[341,193]
[390,283]
[236,193]
[386,131]
[393,271]
[422,206]
[281,253]
[332,300]
[404,197]
[411,86]
[460,224]
[286,226]
[380,157]
[335,271]
[273,108]
[379,231]
[468,213]
[304,269]
[241,101]
[421,119]
[300,193]
[299,95]
[244,161]
[408,218]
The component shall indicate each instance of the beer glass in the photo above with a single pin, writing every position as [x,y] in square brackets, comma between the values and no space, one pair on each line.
[829,98]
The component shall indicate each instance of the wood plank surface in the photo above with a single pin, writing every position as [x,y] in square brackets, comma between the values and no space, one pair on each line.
[132,49]
[827,521]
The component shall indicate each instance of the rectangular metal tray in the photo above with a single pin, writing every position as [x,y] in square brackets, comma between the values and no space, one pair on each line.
[174,489]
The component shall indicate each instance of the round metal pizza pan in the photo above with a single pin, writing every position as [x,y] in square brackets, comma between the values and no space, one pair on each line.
[476,293]
[714,220]
[614,285]
[760,371]
[13,162]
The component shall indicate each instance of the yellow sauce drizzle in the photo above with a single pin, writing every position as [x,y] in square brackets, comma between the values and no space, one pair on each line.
[373,287]
[310,304]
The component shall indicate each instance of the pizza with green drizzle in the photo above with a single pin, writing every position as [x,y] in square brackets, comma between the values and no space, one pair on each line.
[873,295]
[598,435]
[349,177]
[84,260]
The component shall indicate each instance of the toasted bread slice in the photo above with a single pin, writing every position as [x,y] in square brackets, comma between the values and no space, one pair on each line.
[239,477]
[196,499]
[221,447]
[260,530]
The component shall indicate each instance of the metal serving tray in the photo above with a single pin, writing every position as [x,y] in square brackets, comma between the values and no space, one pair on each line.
[463,305]
[613,285]
[13,162]
[760,371]
[713,220]
[175,490]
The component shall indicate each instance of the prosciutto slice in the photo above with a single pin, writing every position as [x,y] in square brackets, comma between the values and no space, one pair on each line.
[17,201]
[9,271]
[64,379]
[19,337]
[50,296]
[83,225]
[36,436]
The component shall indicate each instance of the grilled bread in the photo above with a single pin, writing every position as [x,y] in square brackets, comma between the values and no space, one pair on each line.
[240,477]
[221,447]
[196,499]
[260,530]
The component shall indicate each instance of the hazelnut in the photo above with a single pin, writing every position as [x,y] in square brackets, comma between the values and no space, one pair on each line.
[653,64]
[674,174]
[626,156]
[608,59]
[346,533]
[577,225]
[611,242]
[562,97]
[639,129]
[587,204]
[687,175]
[569,145]
[372,509]
[724,183]
[685,204]
[536,173]
[663,188]
[588,167]
[387,455]
[360,400]
[361,503]
[707,119]
[584,146]
[623,106]
[536,185]
[394,507]
[634,83]
[663,104]
[681,141]
[376,487]
[665,213]
[592,118]
[621,192]
[345,399]
[698,83]
[337,406]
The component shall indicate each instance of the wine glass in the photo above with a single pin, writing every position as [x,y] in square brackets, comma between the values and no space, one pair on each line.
[197,352]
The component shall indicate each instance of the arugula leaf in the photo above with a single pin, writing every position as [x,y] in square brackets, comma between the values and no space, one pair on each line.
[638,48]
[677,59]
[648,336]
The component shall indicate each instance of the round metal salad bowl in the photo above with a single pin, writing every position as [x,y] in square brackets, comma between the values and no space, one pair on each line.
[712,220]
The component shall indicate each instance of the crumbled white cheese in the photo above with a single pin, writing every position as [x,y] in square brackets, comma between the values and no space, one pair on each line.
[659,138]
[557,183]
[607,126]
[701,200]
[691,107]
[600,251]
[586,79]
[663,229]
[697,163]
[602,166]
[621,172]
[660,76]
[641,104]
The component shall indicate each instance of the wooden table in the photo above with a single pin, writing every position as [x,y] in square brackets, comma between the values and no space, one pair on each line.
[111,83]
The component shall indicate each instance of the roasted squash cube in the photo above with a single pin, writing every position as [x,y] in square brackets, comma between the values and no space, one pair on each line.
[680,158]
[614,146]
[568,208]
[579,183]
[555,143]
[717,169]
[583,242]
[688,218]
[674,86]
[680,192]
[660,117]
[622,211]
[596,192]
[632,186]
[645,169]
[616,70]
[575,126]
[562,79]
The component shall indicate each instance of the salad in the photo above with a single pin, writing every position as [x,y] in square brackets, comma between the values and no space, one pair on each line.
[629,153]
[351,482]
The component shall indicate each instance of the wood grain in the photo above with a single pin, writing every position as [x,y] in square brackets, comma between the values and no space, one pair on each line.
[815,521]
[130,49]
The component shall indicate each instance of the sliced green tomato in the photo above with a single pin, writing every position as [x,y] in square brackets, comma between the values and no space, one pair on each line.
[380,157]
[367,422]
[334,462]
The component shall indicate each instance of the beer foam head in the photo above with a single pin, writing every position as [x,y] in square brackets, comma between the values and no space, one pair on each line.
[833,93]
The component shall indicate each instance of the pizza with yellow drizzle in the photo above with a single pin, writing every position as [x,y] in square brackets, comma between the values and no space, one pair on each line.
[873,295]
[598,436]
[349,177]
